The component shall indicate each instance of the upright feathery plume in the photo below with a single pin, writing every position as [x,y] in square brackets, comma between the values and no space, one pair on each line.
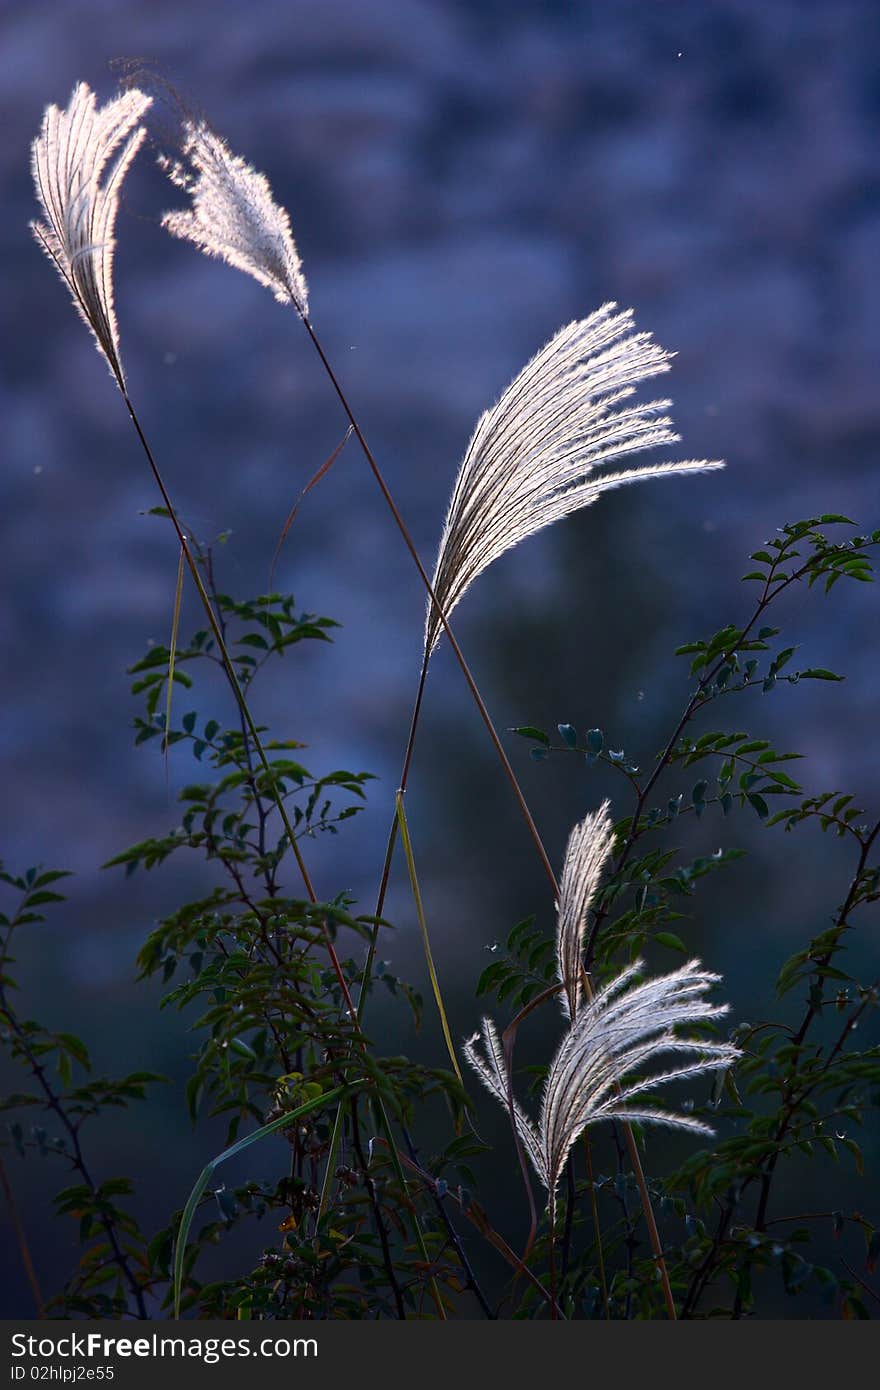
[589,846]
[68,159]
[598,1071]
[532,456]
[234,216]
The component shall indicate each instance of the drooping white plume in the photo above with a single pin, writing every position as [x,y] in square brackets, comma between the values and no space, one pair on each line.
[532,457]
[601,1070]
[234,216]
[589,846]
[490,1066]
[68,158]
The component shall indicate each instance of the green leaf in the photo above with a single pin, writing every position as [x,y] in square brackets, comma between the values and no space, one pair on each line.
[50,876]
[38,899]
[529,731]
[670,940]
[856,1152]
[492,976]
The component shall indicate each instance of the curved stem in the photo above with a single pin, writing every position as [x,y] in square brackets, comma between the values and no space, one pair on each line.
[459,655]
[392,840]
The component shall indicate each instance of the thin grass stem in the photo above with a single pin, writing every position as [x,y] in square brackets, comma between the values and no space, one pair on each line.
[597,1228]
[423,574]
[426,940]
[551,1261]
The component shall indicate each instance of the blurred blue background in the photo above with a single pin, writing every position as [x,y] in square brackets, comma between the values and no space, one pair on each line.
[462,178]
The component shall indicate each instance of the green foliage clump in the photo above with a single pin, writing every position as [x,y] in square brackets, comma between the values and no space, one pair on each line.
[357,1223]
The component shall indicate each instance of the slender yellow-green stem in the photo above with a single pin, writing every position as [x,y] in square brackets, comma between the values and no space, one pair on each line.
[423,928]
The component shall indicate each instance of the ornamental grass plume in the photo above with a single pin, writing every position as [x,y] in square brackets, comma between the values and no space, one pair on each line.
[68,159]
[587,852]
[532,456]
[598,1072]
[234,216]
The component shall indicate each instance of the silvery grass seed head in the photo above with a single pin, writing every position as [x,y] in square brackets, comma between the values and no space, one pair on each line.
[68,159]
[587,852]
[602,1069]
[533,456]
[233,215]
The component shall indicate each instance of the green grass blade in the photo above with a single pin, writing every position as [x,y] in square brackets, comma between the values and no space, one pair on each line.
[423,927]
[330,1170]
[189,1211]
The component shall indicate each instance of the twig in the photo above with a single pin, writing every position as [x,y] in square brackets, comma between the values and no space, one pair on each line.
[478,1218]
[455,1239]
[705,1269]
[860,1281]
[809,1015]
[77,1157]
[378,1218]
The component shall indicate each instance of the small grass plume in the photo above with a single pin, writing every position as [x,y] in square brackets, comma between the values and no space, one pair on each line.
[594,1075]
[68,158]
[532,457]
[589,846]
[234,216]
